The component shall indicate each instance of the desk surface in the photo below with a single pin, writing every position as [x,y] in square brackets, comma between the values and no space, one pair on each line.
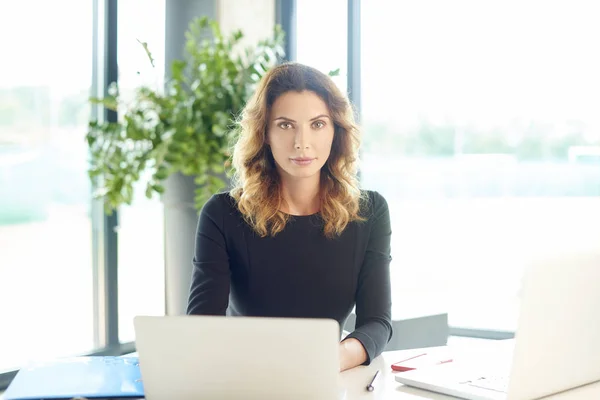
[356,379]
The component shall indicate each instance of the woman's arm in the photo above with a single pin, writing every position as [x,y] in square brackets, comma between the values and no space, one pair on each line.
[352,353]
[373,297]
[209,291]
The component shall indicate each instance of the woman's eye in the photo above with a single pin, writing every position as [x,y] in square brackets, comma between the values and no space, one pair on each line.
[318,124]
[285,125]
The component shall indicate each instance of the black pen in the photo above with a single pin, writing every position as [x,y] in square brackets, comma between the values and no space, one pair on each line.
[370,386]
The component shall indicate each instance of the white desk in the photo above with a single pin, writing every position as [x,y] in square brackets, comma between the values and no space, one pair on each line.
[356,379]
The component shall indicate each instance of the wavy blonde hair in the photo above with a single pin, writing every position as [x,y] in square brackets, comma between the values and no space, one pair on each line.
[256,182]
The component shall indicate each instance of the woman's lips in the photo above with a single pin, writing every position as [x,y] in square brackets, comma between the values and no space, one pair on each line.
[302,160]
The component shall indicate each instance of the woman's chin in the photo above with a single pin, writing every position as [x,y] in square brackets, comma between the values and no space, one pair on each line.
[302,173]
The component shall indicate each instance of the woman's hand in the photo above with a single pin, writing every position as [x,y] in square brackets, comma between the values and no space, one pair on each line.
[352,354]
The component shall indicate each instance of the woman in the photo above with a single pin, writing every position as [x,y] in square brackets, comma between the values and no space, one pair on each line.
[296,237]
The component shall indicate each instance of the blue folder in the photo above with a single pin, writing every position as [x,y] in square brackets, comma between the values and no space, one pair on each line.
[97,377]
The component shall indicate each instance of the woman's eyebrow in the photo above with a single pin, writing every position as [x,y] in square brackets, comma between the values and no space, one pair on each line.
[321,116]
[285,119]
[312,119]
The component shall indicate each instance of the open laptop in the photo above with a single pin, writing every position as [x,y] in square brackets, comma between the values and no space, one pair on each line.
[556,346]
[217,357]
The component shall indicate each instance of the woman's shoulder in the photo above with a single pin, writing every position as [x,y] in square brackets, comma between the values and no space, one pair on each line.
[219,204]
[373,203]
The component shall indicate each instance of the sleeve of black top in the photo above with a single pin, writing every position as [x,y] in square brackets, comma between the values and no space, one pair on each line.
[209,290]
[373,296]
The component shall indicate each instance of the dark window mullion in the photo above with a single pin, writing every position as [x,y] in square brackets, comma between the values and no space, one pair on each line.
[285,16]
[353,63]
[105,246]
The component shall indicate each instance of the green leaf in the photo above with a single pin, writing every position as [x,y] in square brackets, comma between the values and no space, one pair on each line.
[149,191]
[177,69]
[162,173]
[110,103]
[171,158]
[218,130]
[128,196]
[158,188]
[218,168]
[200,179]
[147,50]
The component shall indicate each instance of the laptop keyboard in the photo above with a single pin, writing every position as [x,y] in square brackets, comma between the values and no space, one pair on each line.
[497,383]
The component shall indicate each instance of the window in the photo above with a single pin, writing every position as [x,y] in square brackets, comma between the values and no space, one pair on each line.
[141,233]
[482,131]
[46,292]
[322,31]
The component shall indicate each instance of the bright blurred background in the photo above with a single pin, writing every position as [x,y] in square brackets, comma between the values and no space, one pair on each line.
[481,128]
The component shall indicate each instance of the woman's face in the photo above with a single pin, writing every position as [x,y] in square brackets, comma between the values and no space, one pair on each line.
[300,133]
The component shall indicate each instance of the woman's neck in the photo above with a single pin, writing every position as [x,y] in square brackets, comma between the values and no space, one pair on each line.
[301,196]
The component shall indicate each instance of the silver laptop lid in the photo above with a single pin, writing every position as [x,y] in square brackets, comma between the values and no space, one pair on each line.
[206,357]
[557,344]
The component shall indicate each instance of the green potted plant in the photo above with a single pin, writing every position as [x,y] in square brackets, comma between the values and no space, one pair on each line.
[183,127]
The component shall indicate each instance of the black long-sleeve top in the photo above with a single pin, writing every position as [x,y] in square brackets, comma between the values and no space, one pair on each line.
[297,273]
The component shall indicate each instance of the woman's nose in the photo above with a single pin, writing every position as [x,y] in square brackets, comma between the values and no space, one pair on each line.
[301,140]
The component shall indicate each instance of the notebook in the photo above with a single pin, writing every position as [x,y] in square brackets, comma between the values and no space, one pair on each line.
[96,377]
